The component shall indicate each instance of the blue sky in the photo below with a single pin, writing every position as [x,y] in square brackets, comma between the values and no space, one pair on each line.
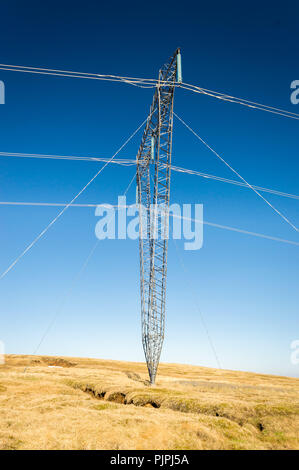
[246,287]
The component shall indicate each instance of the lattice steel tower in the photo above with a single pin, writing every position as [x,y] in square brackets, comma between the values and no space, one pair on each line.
[153,189]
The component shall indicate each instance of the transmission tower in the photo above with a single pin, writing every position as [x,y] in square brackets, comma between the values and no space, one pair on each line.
[153,189]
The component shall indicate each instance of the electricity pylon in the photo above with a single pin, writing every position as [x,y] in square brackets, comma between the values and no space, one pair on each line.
[153,189]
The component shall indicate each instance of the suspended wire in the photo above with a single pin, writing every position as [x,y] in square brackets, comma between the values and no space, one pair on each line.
[238,230]
[123,161]
[22,67]
[130,162]
[254,103]
[188,279]
[51,204]
[150,83]
[237,183]
[143,83]
[73,283]
[241,101]
[116,207]
[65,298]
[238,174]
[69,204]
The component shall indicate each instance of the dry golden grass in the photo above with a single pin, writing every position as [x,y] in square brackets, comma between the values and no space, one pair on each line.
[100,404]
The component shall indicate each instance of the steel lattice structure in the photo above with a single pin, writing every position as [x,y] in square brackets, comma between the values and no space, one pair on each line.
[153,190]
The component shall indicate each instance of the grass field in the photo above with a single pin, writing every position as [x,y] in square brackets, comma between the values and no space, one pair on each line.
[76,403]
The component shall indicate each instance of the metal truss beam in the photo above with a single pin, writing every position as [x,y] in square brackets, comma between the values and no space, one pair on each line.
[153,191]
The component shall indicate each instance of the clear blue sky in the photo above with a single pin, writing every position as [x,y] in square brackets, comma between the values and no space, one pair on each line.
[246,287]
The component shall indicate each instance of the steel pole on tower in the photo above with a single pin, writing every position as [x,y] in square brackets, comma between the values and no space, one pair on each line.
[153,190]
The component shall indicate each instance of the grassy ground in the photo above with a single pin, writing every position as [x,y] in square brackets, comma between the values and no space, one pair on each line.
[75,403]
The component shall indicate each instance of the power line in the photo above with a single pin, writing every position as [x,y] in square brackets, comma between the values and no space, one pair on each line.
[188,279]
[238,174]
[97,75]
[69,204]
[238,230]
[65,298]
[142,82]
[116,206]
[130,162]
[241,101]
[123,161]
[149,83]
[237,183]
[254,103]
[50,204]
[75,279]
